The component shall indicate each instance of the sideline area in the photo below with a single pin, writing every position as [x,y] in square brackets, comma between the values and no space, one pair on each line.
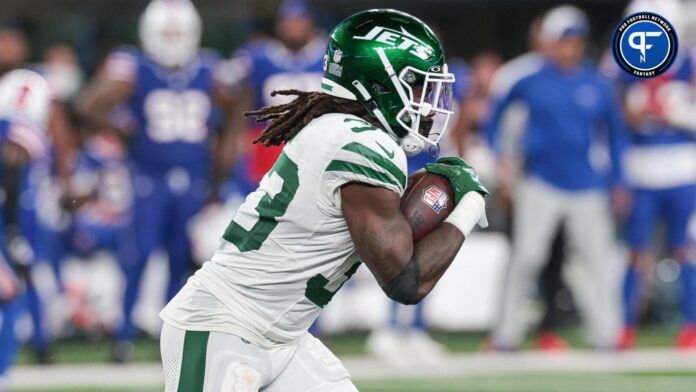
[569,371]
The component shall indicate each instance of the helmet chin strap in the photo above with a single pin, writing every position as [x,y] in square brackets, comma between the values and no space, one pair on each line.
[412,145]
[409,143]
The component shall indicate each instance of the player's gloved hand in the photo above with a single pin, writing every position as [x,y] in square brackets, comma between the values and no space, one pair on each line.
[461,176]
[468,193]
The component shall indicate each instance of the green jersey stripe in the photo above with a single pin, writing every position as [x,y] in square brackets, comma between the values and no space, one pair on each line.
[343,166]
[192,373]
[378,159]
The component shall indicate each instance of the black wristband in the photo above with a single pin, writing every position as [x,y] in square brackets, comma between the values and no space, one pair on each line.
[404,287]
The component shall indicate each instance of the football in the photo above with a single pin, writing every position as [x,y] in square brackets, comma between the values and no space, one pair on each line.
[427,201]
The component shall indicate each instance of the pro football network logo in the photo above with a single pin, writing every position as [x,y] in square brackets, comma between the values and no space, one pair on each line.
[435,198]
[645,44]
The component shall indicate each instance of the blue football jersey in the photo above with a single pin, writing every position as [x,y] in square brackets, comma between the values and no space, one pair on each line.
[661,155]
[173,110]
[4,126]
[268,65]
[34,141]
[650,94]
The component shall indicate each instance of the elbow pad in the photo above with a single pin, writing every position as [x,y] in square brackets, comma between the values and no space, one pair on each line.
[403,288]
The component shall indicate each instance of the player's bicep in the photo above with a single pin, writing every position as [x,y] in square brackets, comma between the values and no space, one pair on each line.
[381,234]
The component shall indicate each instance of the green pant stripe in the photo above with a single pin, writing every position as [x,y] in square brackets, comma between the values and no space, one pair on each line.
[192,371]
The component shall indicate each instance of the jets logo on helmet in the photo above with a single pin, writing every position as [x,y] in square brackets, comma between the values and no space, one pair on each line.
[394,65]
[170,31]
[399,39]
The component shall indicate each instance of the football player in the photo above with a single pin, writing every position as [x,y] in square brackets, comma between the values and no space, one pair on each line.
[407,331]
[330,202]
[43,182]
[661,169]
[25,103]
[171,89]
[293,60]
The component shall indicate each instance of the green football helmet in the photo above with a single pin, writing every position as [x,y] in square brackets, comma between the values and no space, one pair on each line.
[394,65]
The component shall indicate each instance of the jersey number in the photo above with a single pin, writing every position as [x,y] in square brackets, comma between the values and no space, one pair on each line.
[320,290]
[279,187]
[177,116]
[365,126]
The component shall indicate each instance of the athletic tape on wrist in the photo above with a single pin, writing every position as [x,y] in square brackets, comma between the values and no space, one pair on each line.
[470,211]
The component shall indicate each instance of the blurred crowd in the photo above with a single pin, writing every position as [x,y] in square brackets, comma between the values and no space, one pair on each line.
[152,152]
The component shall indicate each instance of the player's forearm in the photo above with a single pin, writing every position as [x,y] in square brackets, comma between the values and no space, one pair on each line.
[421,269]
[437,250]
[96,113]
[413,276]
[434,254]
[63,137]
[96,104]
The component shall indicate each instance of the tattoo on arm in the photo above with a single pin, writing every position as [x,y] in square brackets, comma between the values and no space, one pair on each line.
[383,238]
[435,253]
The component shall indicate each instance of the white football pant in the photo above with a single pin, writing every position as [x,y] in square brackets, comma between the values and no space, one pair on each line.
[220,362]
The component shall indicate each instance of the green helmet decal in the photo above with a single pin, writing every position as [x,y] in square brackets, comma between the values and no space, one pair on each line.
[394,65]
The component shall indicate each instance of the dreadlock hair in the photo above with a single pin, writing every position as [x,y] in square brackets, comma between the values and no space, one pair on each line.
[288,119]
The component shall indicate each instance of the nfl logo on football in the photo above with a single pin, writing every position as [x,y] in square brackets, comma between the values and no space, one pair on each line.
[435,198]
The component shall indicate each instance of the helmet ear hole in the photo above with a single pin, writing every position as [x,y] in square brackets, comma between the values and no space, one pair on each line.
[410,77]
[379,88]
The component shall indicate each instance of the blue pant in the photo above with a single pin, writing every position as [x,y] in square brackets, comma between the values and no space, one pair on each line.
[8,341]
[162,207]
[674,207]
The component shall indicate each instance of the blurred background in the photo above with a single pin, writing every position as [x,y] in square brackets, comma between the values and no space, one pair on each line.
[585,279]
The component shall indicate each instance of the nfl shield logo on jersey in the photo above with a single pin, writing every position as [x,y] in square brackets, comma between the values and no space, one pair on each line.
[435,198]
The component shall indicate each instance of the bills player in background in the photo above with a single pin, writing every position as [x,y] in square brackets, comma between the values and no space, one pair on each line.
[291,60]
[171,89]
[661,169]
[40,212]
[14,53]
[25,104]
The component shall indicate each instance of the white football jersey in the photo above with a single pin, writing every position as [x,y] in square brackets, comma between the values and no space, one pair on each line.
[288,249]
